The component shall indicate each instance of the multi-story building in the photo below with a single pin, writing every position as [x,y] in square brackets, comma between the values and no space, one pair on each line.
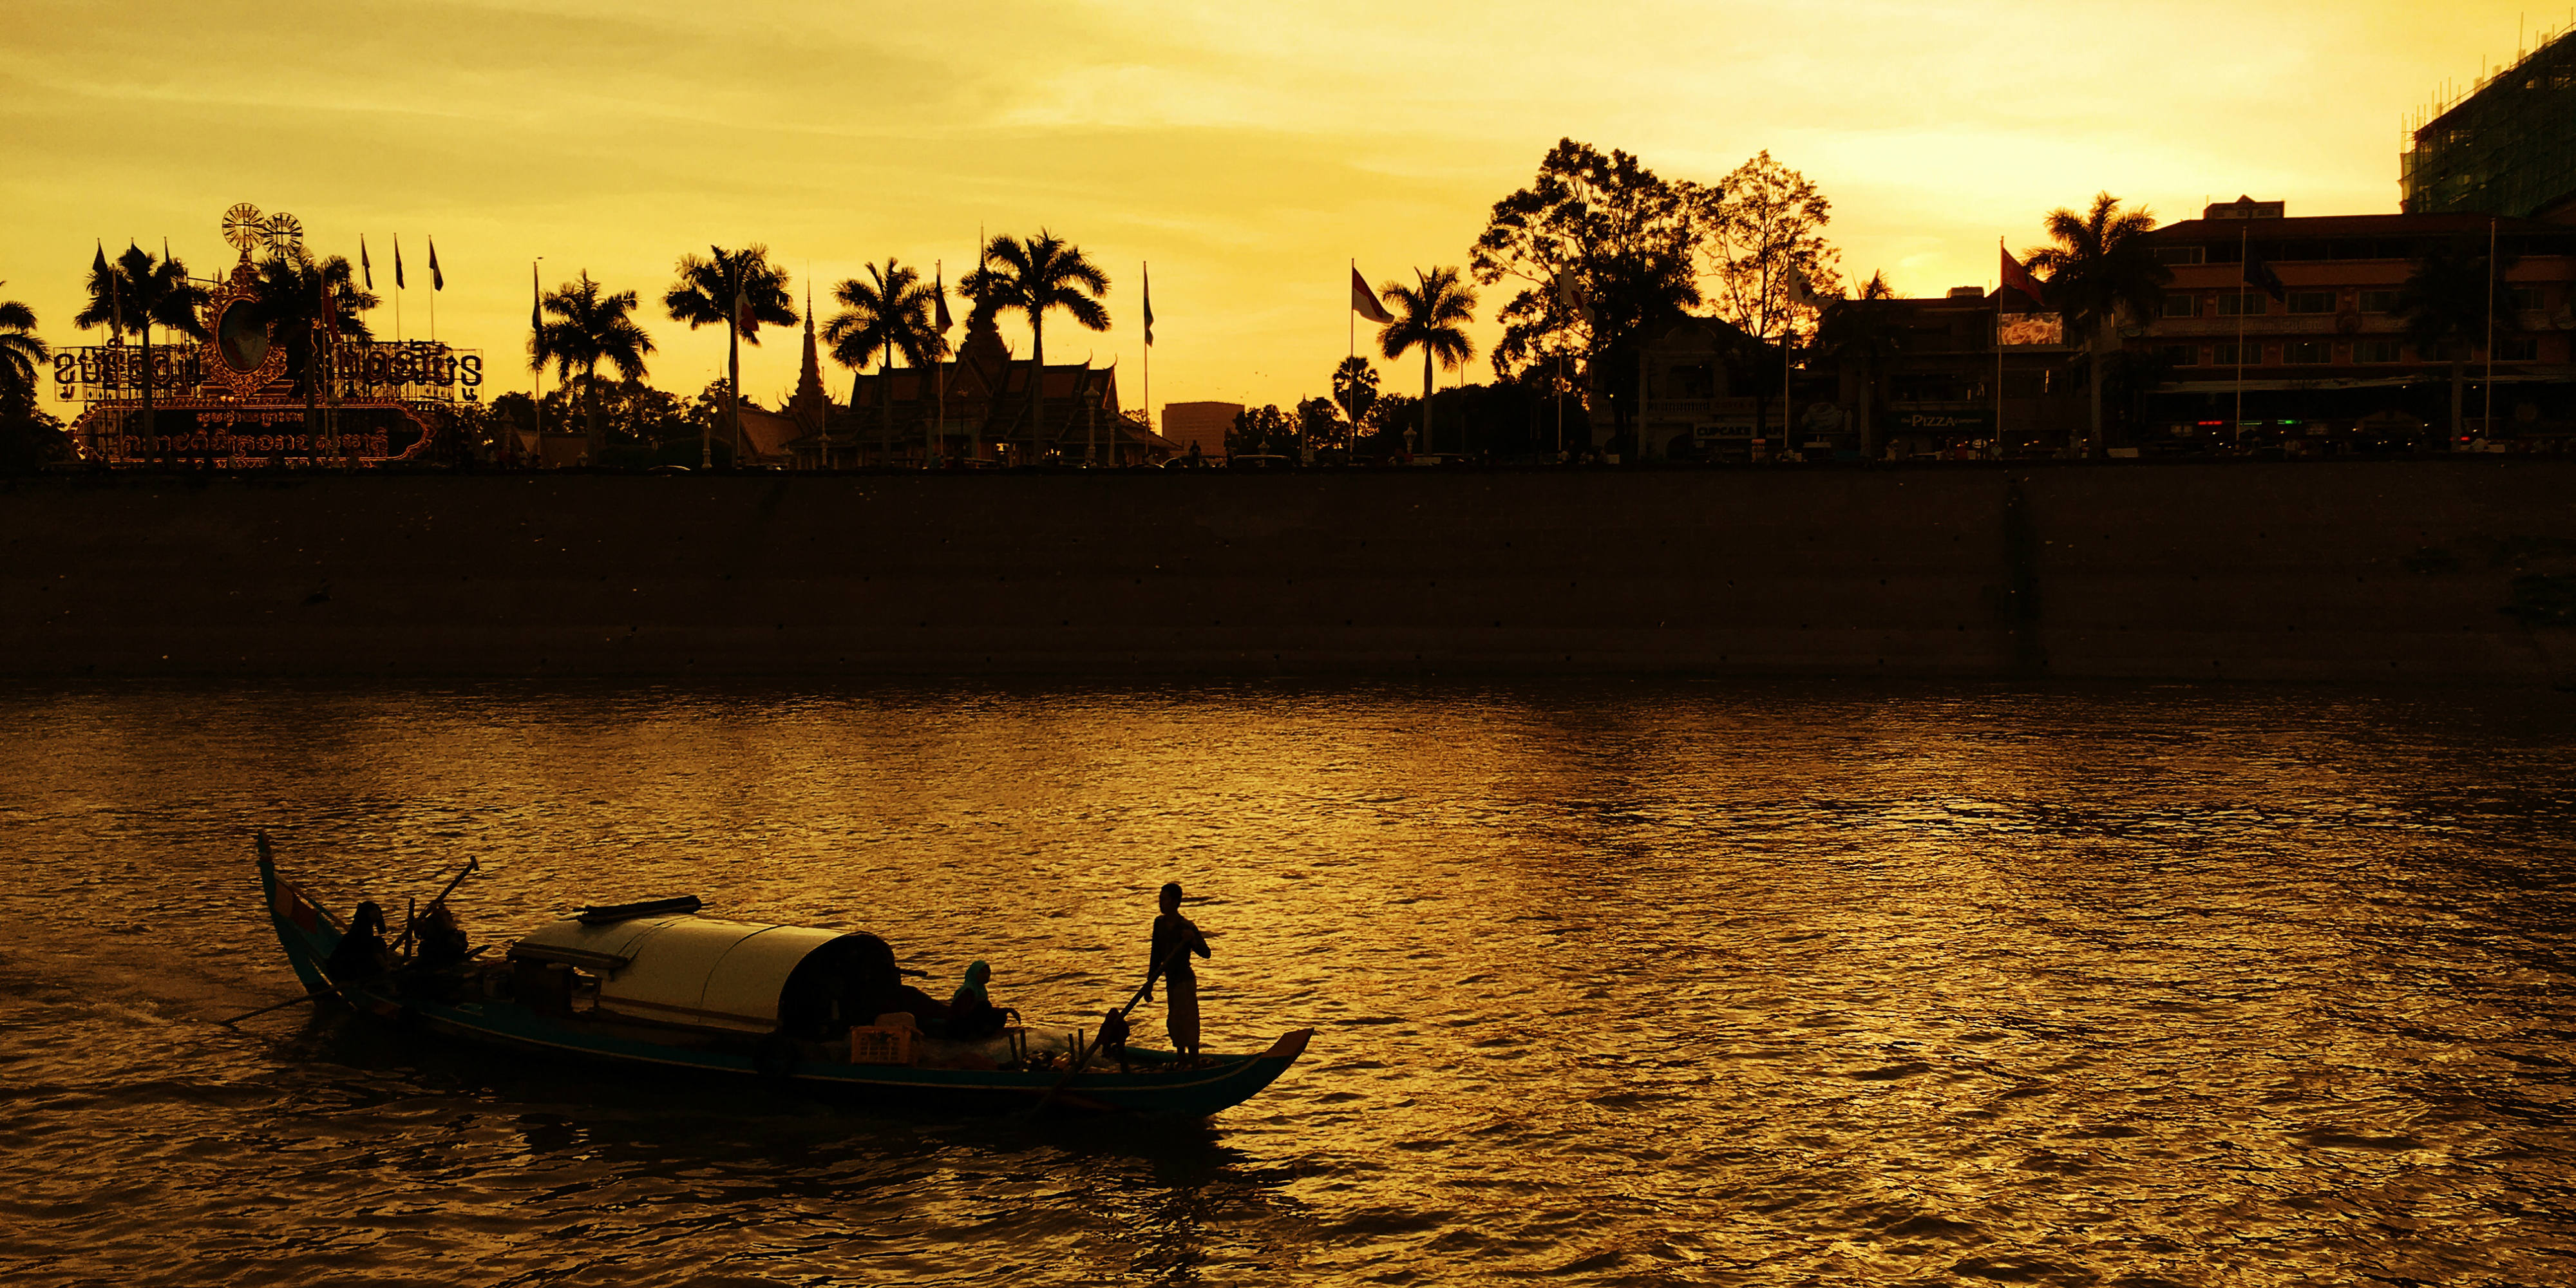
[2505,148]
[2325,364]
[1202,425]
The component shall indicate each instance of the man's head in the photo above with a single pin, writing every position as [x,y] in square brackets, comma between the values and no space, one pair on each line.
[1172,896]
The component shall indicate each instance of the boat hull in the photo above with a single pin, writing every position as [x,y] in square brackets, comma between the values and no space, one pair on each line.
[308,933]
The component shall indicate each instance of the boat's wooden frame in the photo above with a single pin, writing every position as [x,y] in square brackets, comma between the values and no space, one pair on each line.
[309,931]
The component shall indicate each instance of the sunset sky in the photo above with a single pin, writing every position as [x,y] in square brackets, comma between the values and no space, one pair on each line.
[1248,150]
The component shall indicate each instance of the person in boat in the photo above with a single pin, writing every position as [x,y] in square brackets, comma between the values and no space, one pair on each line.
[971,1013]
[1175,938]
[442,941]
[361,951]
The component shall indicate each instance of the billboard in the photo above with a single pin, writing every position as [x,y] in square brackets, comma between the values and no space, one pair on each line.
[2029,330]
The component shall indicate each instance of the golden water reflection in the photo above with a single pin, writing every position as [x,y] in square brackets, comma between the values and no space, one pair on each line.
[1619,982]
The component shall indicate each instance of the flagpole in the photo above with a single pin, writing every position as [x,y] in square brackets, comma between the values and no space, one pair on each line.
[2244,242]
[398,288]
[2486,427]
[1997,451]
[1144,270]
[939,361]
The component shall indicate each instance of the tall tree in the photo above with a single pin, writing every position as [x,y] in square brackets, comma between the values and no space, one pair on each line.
[21,352]
[1355,388]
[1602,249]
[2099,266]
[1766,253]
[889,313]
[1862,332]
[29,438]
[1038,275]
[1428,317]
[740,289]
[2455,290]
[135,293]
[589,327]
[303,300]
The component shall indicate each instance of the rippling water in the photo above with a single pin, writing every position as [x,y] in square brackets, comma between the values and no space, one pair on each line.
[1619,984]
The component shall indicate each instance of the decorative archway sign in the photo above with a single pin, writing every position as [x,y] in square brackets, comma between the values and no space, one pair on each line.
[246,401]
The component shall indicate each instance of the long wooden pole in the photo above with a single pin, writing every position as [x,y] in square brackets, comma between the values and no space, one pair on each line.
[1083,1056]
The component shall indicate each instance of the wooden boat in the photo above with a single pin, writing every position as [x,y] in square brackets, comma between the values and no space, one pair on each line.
[657,985]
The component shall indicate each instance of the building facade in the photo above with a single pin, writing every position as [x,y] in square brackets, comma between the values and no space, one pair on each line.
[2506,149]
[2324,364]
[1202,425]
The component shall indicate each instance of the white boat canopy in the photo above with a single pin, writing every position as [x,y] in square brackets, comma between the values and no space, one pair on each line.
[689,970]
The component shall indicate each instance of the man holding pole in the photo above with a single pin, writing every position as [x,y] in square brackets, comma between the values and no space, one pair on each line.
[1175,938]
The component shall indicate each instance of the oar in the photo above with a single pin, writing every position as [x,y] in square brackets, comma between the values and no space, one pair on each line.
[274,1006]
[1084,1054]
[471,867]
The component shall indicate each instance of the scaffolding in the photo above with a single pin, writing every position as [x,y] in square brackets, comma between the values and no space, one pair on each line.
[2505,147]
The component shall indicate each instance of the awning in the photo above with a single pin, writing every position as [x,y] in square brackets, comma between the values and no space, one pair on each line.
[691,970]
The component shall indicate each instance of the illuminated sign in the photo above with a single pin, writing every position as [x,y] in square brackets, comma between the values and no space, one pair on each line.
[2018,330]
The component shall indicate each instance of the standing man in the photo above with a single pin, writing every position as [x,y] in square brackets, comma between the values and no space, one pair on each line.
[1175,938]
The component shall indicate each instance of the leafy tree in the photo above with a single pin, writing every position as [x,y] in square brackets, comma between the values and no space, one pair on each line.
[1862,333]
[1386,420]
[1319,425]
[21,352]
[1765,226]
[1603,249]
[1262,431]
[891,312]
[2099,267]
[1427,317]
[1036,276]
[300,298]
[132,295]
[740,289]
[1767,255]
[589,328]
[2446,304]
[29,436]
[1355,388]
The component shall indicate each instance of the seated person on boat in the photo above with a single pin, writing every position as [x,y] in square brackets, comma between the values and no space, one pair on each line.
[971,1013]
[361,951]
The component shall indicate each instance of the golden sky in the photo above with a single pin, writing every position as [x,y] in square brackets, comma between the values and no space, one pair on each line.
[1248,150]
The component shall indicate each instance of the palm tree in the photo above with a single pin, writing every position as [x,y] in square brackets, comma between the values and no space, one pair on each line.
[1863,333]
[588,329]
[1427,317]
[1038,275]
[889,312]
[2447,302]
[130,296]
[300,298]
[20,350]
[2100,266]
[708,293]
[1355,388]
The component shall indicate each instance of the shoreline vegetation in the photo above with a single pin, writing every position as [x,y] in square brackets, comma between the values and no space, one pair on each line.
[1581,267]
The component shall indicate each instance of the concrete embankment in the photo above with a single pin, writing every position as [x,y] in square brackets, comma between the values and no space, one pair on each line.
[2411,572]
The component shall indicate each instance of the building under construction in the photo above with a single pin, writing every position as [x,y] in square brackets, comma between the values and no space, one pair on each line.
[2509,148]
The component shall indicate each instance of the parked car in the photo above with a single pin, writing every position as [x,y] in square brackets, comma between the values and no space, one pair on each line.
[1258,463]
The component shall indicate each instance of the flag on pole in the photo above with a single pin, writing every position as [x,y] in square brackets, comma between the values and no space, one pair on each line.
[939,300]
[1148,275]
[2017,278]
[363,266]
[2259,273]
[437,280]
[1571,297]
[744,319]
[1364,301]
[1800,293]
[398,274]
[536,297]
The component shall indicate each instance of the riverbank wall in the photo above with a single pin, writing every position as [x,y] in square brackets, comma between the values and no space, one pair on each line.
[2415,572]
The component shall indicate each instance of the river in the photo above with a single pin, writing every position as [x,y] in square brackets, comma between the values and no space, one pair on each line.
[1612,983]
